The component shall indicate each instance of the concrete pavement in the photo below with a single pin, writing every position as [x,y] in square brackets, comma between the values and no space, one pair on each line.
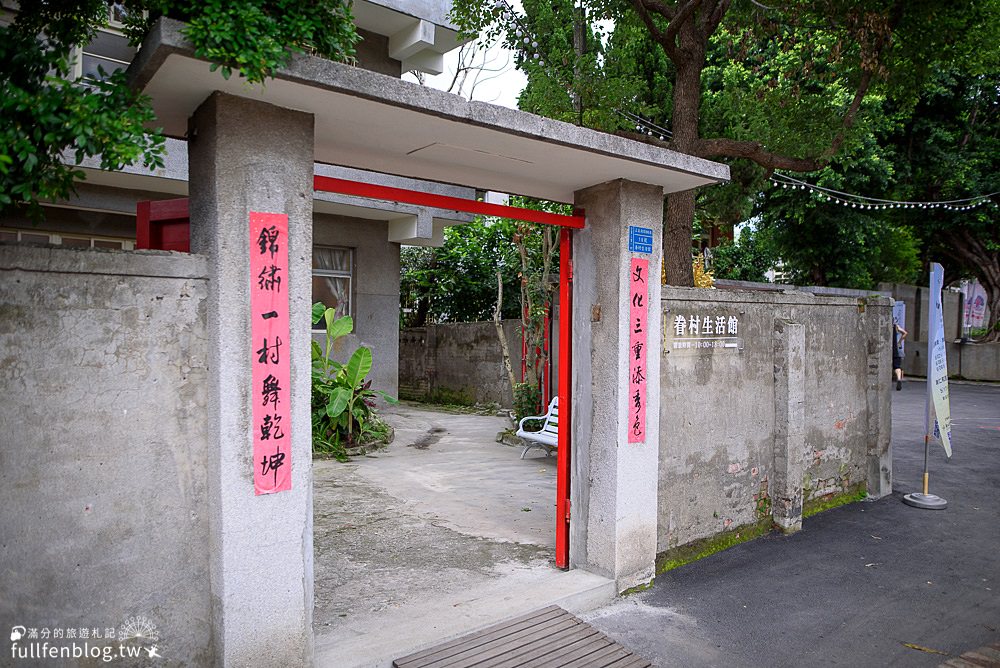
[444,532]
[869,584]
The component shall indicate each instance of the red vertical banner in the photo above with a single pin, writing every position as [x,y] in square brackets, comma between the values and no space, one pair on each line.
[269,350]
[637,326]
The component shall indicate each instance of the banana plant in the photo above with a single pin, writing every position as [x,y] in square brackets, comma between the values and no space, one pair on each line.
[343,403]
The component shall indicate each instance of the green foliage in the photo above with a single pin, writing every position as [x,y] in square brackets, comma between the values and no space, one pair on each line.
[828,245]
[748,259]
[706,547]
[853,494]
[758,85]
[943,146]
[787,89]
[49,118]
[563,83]
[256,37]
[824,243]
[538,249]
[566,84]
[457,282]
[948,148]
[527,400]
[343,403]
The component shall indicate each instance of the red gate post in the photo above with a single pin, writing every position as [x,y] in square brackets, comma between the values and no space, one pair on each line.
[567,223]
[565,396]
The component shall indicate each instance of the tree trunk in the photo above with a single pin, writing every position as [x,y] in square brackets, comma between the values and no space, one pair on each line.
[990,281]
[504,349]
[993,324]
[423,308]
[678,219]
[967,249]
[678,223]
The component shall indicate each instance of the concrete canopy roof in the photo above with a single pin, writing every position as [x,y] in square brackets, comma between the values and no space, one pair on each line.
[375,122]
[419,33]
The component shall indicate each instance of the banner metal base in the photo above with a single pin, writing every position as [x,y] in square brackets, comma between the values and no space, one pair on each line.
[925,501]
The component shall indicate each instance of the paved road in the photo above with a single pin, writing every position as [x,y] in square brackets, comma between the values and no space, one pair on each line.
[858,581]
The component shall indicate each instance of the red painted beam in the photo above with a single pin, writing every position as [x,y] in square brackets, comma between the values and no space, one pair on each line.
[387,193]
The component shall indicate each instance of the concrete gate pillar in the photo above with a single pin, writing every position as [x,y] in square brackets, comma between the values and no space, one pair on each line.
[248,156]
[614,495]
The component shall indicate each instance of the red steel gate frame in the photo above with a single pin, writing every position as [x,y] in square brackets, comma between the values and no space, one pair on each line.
[567,225]
[164,225]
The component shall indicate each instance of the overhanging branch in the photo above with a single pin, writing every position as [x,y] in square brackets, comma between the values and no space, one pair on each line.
[752,150]
[654,30]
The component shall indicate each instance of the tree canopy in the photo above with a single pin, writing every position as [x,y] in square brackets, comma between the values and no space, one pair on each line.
[944,148]
[759,85]
[949,149]
[50,122]
[457,282]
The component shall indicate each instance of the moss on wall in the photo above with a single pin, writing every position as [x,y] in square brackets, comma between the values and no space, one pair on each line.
[856,492]
[448,396]
[699,549]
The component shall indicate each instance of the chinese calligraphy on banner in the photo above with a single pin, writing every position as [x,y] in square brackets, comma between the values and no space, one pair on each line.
[270,364]
[638,321]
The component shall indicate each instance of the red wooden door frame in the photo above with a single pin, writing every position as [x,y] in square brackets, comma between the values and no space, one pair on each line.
[164,224]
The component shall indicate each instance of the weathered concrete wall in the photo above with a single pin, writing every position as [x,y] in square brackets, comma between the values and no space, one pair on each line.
[794,412]
[971,361]
[375,293]
[979,361]
[966,360]
[103,444]
[458,362]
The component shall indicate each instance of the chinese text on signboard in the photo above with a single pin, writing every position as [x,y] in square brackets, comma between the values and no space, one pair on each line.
[640,239]
[270,367]
[699,331]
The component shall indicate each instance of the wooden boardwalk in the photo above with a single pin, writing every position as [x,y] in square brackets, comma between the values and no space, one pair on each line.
[546,638]
[984,657]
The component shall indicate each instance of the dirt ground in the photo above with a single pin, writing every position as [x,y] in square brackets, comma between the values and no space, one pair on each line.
[443,511]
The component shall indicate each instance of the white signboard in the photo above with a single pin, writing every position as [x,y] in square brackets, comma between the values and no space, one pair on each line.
[937,364]
[694,331]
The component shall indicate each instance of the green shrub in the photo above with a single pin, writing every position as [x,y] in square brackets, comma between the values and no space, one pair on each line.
[527,400]
[343,403]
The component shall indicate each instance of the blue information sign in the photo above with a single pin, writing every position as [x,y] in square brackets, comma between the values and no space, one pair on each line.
[640,239]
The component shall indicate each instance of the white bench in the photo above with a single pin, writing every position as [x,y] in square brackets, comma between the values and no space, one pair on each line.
[548,436]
